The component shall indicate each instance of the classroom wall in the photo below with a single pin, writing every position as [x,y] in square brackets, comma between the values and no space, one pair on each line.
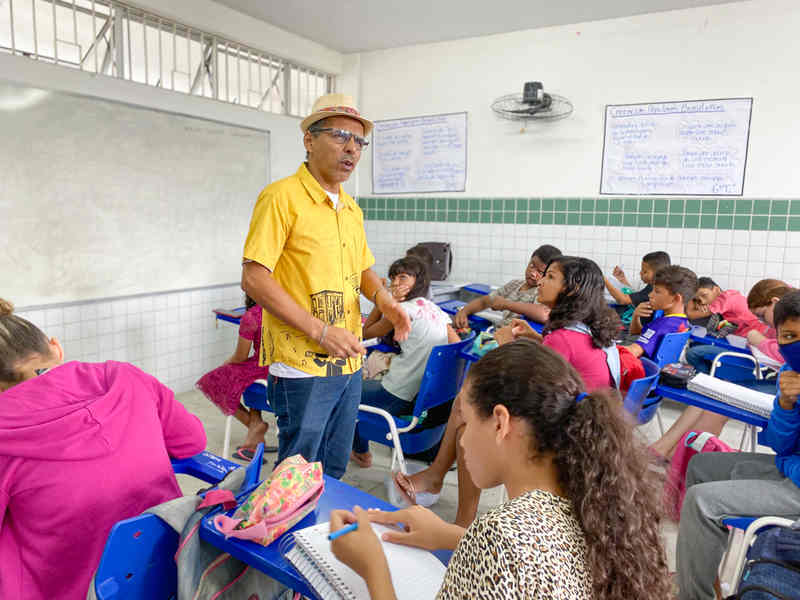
[173,336]
[541,186]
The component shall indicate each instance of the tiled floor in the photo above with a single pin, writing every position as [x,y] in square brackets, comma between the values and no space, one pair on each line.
[373,480]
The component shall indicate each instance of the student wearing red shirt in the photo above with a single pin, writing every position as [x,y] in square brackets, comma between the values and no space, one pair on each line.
[572,288]
[711,299]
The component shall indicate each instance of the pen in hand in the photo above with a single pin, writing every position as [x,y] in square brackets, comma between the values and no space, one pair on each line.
[342,531]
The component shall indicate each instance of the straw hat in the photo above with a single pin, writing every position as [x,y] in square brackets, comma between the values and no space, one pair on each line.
[334,105]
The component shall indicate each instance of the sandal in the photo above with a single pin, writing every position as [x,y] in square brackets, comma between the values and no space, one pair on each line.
[247,454]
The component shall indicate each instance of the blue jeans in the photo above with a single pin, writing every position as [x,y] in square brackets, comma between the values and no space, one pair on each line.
[316,418]
[701,356]
[374,394]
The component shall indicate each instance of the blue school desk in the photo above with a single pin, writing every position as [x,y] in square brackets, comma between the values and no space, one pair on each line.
[718,342]
[234,315]
[699,400]
[451,307]
[270,559]
[694,399]
[481,289]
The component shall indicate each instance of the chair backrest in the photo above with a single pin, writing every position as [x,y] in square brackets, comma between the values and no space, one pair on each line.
[137,561]
[670,348]
[735,366]
[443,375]
[255,396]
[252,473]
[641,387]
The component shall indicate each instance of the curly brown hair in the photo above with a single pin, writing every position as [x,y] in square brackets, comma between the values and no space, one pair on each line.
[601,467]
[582,301]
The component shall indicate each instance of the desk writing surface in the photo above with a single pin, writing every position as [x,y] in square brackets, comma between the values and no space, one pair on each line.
[694,399]
[270,559]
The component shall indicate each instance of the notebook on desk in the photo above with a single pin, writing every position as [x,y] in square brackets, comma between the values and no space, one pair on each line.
[732,394]
[417,574]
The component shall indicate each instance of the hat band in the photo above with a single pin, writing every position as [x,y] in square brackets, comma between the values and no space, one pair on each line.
[346,109]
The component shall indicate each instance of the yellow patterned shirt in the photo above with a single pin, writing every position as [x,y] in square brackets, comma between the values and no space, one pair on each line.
[317,254]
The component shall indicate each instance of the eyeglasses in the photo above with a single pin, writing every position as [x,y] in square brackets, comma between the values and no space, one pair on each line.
[342,136]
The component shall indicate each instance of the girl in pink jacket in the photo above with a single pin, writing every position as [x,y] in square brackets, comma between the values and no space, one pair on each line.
[82,446]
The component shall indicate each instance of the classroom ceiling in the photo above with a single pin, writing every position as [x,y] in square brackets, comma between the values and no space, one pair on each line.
[363,25]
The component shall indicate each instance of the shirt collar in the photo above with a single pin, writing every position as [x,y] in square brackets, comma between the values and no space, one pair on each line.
[315,190]
[677,315]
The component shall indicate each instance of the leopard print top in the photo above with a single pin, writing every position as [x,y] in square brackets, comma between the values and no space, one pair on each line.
[530,548]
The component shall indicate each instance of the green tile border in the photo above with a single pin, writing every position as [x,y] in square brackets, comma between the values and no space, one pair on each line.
[755,214]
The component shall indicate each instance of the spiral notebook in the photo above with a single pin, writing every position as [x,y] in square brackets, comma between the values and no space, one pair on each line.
[730,393]
[333,580]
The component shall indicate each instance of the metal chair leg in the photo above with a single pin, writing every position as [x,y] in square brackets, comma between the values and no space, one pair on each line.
[226,445]
[744,437]
[660,421]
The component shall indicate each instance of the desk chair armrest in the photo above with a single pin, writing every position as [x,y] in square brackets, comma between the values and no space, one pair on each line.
[394,432]
[749,357]
[205,466]
[752,531]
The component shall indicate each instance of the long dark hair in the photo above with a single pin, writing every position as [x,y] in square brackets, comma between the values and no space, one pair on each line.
[582,301]
[601,467]
[411,265]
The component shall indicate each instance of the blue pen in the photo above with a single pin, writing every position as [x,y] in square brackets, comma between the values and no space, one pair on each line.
[342,531]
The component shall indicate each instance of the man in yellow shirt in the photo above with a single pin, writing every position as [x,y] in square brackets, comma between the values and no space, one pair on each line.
[306,262]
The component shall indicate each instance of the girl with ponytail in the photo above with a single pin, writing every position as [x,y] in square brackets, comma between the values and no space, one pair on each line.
[582,520]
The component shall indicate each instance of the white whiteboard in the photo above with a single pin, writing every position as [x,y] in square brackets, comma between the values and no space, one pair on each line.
[682,148]
[101,199]
[420,154]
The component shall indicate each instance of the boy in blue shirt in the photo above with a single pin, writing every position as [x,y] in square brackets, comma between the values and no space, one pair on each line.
[729,484]
[673,287]
[652,262]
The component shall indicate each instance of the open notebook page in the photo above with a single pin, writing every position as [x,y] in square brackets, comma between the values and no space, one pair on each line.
[416,574]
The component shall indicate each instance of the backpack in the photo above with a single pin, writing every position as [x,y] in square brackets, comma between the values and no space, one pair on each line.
[625,368]
[691,443]
[772,570]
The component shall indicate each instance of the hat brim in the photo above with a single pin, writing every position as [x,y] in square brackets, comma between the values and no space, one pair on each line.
[318,116]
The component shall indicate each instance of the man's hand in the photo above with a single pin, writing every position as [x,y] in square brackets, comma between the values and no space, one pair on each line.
[643,310]
[461,319]
[361,549]
[340,343]
[789,388]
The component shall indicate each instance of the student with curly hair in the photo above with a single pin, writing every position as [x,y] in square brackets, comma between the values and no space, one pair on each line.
[580,326]
[583,517]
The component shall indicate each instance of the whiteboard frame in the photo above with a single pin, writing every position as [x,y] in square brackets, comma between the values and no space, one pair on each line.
[746,149]
[466,154]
